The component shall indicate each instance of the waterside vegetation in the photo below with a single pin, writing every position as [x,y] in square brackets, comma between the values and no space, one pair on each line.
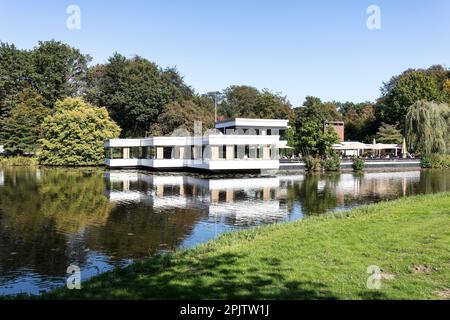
[143,98]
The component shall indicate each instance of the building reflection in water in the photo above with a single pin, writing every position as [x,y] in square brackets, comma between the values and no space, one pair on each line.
[242,202]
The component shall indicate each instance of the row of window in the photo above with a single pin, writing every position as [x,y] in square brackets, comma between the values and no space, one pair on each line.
[239,152]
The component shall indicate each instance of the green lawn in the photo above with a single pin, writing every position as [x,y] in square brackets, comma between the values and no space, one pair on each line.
[317,258]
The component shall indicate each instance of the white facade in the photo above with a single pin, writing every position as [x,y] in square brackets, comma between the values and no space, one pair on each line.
[244,144]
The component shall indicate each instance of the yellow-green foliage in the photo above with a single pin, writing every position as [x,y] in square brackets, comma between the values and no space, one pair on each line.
[427,127]
[75,134]
[18,162]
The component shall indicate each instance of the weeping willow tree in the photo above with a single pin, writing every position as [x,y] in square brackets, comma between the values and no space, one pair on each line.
[427,127]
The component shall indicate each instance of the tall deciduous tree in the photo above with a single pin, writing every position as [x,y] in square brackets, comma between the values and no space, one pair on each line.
[360,121]
[249,102]
[271,105]
[311,139]
[21,126]
[15,74]
[74,134]
[59,71]
[135,91]
[427,127]
[182,115]
[402,91]
[239,101]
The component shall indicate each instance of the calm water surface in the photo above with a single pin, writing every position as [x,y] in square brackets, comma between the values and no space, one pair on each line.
[98,220]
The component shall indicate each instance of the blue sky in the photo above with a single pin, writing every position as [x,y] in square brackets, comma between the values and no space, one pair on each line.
[321,47]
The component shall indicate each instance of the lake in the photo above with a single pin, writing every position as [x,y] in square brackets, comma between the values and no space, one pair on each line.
[98,220]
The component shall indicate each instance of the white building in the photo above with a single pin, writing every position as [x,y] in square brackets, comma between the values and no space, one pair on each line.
[235,145]
[2,149]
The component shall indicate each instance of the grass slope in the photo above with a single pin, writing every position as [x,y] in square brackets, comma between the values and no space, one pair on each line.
[317,258]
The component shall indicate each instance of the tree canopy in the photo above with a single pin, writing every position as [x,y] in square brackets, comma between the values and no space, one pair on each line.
[53,69]
[59,71]
[15,74]
[360,121]
[182,115]
[142,97]
[21,125]
[249,102]
[428,127]
[311,138]
[402,91]
[135,91]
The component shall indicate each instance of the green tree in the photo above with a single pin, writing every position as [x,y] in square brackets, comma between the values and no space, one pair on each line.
[59,71]
[75,133]
[313,141]
[94,77]
[182,115]
[315,110]
[135,91]
[249,102]
[427,127]
[271,105]
[402,91]
[181,90]
[20,127]
[360,121]
[310,137]
[388,133]
[15,75]
[239,101]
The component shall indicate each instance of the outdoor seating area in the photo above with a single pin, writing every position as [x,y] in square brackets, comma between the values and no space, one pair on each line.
[375,151]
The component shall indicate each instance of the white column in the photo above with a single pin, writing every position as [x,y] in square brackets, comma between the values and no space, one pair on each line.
[229,152]
[214,152]
[266,153]
[214,196]
[181,152]
[126,153]
[159,153]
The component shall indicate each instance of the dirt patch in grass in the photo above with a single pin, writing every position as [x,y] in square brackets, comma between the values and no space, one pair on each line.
[422,269]
[387,276]
[443,293]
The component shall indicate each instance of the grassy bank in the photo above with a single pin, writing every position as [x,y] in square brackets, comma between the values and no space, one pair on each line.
[323,257]
[18,161]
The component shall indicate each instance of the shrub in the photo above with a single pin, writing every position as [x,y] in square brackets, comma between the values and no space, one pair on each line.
[313,164]
[425,162]
[18,162]
[358,164]
[332,164]
[436,161]
[74,134]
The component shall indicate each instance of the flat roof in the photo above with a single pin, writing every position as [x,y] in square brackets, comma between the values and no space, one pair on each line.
[356,145]
[247,122]
[333,122]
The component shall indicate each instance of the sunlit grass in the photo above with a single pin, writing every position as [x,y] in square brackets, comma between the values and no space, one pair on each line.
[317,258]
